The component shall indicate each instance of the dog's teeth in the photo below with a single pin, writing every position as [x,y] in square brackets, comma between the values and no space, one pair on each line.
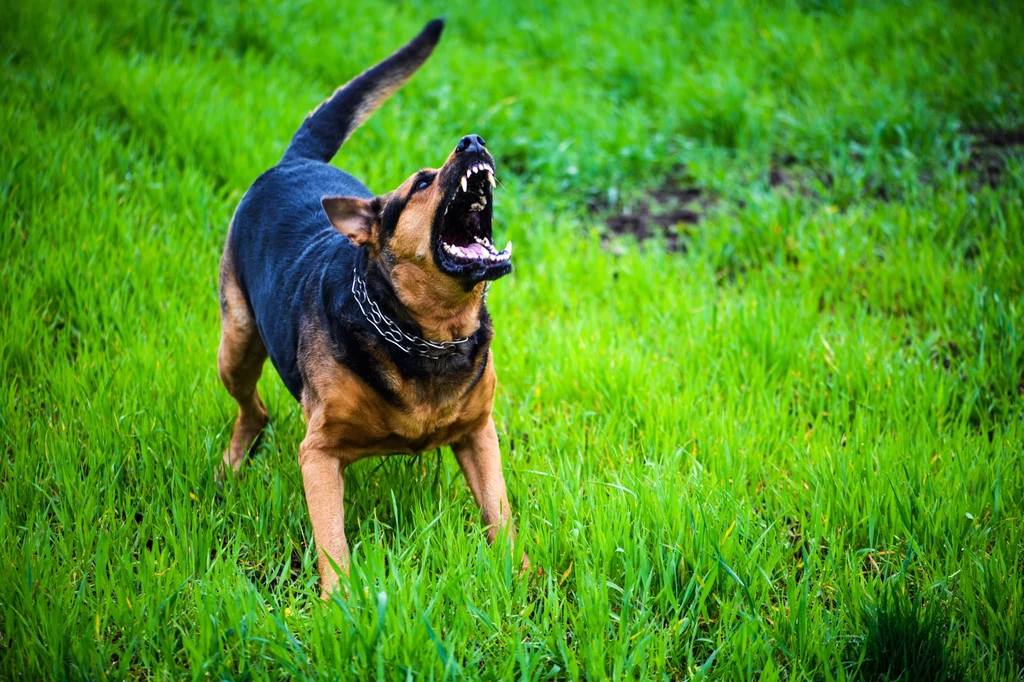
[508,248]
[490,179]
[464,184]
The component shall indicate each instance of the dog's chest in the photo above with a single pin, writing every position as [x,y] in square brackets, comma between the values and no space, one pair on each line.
[423,421]
[426,417]
[417,427]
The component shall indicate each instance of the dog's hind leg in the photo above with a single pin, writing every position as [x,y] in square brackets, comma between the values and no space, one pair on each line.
[240,364]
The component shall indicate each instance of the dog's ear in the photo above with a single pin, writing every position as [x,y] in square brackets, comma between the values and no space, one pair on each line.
[357,219]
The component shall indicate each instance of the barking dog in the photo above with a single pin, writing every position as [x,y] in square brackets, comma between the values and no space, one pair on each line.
[371,308]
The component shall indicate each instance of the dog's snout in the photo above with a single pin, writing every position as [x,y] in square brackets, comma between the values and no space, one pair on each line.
[471,143]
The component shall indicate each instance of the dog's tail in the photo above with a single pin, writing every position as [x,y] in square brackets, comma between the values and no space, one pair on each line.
[326,129]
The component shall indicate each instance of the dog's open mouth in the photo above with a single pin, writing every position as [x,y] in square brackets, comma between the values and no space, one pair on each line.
[464,245]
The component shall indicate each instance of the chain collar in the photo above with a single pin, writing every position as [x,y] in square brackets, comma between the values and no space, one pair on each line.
[392,333]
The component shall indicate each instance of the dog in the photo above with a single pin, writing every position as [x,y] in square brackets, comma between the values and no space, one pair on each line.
[371,308]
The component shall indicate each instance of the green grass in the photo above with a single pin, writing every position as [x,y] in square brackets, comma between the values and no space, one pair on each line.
[792,452]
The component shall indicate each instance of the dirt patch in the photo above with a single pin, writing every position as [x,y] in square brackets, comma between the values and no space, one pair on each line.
[989,151]
[668,211]
[787,175]
[946,354]
[671,211]
[1001,138]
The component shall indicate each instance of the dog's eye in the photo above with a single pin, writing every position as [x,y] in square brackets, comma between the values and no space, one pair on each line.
[423,184]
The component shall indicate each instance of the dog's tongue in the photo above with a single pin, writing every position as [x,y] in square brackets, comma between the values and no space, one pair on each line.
[475,250]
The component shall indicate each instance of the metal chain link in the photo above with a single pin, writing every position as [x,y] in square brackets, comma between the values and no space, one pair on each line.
[392,332]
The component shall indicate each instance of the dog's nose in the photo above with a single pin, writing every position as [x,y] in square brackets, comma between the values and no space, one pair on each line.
[471,143]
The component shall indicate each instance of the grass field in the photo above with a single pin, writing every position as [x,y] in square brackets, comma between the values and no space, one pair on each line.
[782,440]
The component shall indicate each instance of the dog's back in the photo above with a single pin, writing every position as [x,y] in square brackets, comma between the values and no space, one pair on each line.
[281,248]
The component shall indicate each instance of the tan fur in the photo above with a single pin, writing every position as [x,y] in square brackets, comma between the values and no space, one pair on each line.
[360,423]
[240,364]
[352,217]
[439,304]
[347,421]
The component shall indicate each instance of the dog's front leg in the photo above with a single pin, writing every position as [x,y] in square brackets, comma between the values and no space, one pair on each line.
[323,480]
[480,461]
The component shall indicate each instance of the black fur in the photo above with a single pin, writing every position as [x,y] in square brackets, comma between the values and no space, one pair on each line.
[295,269]
[323,132]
